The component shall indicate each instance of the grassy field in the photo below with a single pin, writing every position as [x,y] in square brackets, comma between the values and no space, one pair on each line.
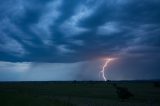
[77,94]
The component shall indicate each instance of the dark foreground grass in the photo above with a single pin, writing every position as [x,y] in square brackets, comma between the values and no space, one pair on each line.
[76,94]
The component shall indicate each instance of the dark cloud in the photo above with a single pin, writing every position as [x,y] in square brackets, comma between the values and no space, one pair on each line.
[60,31]
[46,32]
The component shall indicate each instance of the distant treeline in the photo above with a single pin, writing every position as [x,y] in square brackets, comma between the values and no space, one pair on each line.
[81,82]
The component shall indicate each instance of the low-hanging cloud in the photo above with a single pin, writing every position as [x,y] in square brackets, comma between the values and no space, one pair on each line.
[60,31]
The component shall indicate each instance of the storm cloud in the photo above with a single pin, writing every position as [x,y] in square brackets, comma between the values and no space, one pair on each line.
[75,31]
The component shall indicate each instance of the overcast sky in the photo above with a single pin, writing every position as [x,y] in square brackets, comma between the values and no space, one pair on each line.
[69,39]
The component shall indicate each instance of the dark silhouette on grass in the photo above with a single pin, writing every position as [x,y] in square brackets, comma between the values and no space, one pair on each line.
[157,84]
[122,92]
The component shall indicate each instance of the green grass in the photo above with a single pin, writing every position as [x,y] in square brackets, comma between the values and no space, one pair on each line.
[76,94]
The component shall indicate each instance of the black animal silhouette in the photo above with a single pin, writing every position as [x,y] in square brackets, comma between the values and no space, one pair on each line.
[122,92]
[157,84]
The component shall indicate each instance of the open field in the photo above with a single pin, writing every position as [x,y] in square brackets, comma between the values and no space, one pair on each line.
[77,94]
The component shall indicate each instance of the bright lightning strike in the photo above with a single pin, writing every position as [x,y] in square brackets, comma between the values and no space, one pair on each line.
[108,60]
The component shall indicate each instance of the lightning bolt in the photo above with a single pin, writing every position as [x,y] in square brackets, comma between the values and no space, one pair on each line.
[107,61]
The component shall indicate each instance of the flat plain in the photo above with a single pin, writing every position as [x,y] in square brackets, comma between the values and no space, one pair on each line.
[75,93]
